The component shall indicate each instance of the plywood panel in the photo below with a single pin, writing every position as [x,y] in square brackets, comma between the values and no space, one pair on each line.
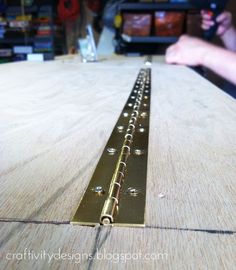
[54,130]
[56,118]
[55,121]
[192,158]
[116,248]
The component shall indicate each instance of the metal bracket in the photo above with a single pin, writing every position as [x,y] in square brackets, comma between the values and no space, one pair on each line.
[116,194]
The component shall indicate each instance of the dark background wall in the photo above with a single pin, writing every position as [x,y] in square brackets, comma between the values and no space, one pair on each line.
[232,8]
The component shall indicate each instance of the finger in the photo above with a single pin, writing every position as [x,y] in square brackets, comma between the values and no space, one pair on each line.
[221,30]
[205,13]
[171,54]
[170,59]
[207,17]
[208,23]
[170,49]
[226,22]
[205,27]
[183,37]
[224,16]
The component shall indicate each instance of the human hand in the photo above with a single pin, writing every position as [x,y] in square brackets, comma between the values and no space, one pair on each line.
[188,51]
[224,20]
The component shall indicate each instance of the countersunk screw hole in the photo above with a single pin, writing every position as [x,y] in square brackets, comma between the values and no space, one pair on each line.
[111,151]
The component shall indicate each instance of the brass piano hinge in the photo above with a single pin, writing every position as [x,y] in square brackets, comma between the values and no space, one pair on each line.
[117,191]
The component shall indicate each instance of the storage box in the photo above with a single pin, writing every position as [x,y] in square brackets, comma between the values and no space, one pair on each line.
[169,23]
[137,24]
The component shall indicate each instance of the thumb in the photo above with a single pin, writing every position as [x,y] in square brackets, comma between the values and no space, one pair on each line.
[171,54]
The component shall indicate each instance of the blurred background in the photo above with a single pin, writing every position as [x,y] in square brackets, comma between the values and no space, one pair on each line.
[53,28]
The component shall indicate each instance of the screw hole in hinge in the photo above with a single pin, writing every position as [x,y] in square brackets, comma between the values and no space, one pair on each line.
[111,151]
[120,129]
[143,115]
[139,152]
[98,190]
[141,130]
[133,191]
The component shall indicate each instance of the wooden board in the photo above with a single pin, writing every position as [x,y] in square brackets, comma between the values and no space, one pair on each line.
[62,114]
[113,248]
[192,158]
[56,118]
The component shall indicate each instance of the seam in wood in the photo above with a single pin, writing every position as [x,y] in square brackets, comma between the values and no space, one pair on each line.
[46,205]
[50,222]
[212,231]
[67,222]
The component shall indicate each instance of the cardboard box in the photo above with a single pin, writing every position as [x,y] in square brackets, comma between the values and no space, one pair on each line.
[169,23]
[137,24]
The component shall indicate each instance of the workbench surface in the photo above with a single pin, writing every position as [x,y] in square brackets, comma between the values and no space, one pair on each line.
[56,118]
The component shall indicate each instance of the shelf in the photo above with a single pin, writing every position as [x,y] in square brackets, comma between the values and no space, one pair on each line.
[127,44]
[155,6]
[39,38]
[18,9]
[16,40]
[151,39]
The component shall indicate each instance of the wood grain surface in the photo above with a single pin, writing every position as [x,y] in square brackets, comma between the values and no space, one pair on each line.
[56,118]
[192,153]
[114,248]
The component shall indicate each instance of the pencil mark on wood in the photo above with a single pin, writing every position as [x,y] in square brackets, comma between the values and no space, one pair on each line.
[212,231]
[24,221]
